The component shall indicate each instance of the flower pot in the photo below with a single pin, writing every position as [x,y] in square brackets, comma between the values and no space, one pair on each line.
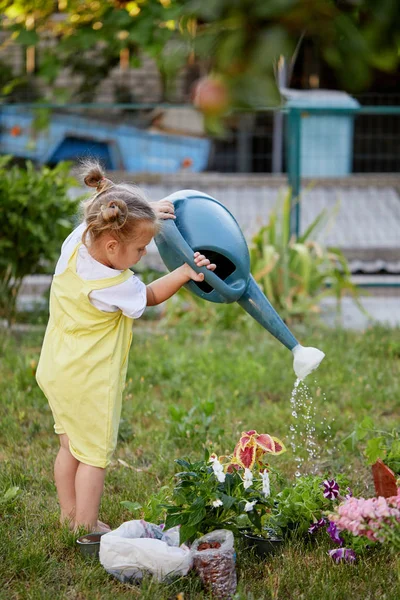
[262,546]
[89,544]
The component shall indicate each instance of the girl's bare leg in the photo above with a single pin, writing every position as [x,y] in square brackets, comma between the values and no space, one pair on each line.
[65,468]
[89,483]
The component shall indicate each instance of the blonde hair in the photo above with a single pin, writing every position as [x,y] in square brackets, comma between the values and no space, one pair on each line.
[117,208]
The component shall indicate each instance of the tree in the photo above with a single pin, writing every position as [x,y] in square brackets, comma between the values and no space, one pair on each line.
[90,36]
[238,41]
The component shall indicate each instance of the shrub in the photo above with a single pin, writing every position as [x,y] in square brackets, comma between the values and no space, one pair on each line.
[36,215]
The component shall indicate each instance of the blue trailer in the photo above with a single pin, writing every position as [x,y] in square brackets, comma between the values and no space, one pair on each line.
[119,146]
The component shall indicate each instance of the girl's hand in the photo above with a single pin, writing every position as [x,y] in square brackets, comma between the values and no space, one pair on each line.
[201,261]
[164,209]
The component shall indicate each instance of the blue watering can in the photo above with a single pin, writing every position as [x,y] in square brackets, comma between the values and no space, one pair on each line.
[205,225]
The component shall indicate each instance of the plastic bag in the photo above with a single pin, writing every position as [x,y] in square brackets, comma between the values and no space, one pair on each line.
[215,564]
[139,547]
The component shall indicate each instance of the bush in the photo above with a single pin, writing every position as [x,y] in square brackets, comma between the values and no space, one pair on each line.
[36,215]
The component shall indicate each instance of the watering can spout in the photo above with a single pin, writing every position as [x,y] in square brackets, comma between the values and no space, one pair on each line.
[253,301]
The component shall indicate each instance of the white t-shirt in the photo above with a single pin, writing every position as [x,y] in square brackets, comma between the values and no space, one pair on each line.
[129,297]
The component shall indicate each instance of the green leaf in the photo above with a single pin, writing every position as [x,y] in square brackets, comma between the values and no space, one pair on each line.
[183,474]
[228,501]
[230,47]
[27,38]
[394,453]
[183,463]
[350,441]
[132,506]
[187,533]
[363,428]
[197,512]
[173,520]
[376,448]
[11,494]
[274,41]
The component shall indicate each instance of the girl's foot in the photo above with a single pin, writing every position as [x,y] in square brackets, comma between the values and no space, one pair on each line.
[67,520]
[102,527]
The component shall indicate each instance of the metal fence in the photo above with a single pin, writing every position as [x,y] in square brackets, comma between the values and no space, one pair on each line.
[338,142]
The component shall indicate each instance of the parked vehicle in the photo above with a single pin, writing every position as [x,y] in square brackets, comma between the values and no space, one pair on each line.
[63,136]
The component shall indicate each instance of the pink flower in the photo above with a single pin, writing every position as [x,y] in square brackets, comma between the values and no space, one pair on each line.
[381,507]
[371,518]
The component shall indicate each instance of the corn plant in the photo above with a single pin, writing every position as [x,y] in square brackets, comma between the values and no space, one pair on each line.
[296,274]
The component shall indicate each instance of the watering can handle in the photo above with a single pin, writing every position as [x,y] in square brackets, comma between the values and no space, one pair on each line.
[230,292]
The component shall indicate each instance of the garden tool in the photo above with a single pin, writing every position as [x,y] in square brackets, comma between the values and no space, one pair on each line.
[205,225]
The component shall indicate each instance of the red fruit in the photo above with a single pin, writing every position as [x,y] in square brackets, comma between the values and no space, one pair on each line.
[210,96]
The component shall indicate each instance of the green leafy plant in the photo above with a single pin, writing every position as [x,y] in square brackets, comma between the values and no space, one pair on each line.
[149,511]
[376,443]
[295,274]
[36,214]
[299,505]
[200,503]
[211,495]
[196,423]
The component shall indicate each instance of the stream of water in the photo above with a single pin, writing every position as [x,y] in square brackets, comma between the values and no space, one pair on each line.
[306,450]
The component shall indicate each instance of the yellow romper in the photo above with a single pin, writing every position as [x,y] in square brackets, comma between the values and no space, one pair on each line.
[83,362]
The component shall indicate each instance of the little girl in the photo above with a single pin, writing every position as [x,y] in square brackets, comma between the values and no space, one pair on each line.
[93,300]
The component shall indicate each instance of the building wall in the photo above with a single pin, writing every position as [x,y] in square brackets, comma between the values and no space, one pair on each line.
[143,82]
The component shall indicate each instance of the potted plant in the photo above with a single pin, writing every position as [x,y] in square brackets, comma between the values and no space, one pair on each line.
[304,503]
[227,492]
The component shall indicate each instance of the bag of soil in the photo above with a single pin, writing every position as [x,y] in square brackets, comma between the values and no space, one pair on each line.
[214,560]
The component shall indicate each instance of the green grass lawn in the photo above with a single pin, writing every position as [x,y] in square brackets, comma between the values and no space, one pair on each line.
[190,386]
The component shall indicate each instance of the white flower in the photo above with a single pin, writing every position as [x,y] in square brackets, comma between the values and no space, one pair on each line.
[247,479]
[220,475]
[217,503]
[265,483]
[217,468]
[249,506]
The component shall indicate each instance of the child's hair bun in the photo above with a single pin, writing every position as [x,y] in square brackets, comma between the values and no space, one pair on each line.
[94,175]
[116,208]
[115,213]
